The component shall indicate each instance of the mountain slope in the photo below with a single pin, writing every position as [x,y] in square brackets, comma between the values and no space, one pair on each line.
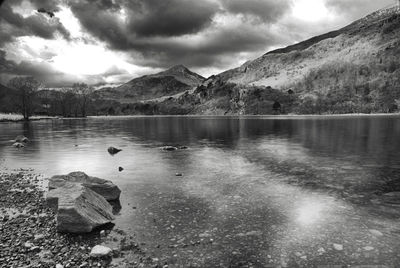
[355,69]
[170,82]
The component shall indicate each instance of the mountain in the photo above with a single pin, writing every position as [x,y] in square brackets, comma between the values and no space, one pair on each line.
[173,81]
[370,41]
[353,69]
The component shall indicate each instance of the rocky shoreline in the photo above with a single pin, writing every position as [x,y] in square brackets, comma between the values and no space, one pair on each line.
[29,237]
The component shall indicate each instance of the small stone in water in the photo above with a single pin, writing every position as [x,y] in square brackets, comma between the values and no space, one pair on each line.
[368,248]
[179,174]
[375,232]
[338,247]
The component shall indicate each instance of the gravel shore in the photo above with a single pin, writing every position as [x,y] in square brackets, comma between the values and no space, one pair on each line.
[28,236]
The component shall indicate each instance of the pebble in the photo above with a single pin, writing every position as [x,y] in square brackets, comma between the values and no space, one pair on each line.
[375,232]
[100,251]
[28,245]
[368,248]
[338,247]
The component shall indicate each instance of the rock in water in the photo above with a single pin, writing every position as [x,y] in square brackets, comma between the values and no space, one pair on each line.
[169,148]
[18,145]
[21,138]
[105,188]
[79,209]
[338,247]
[100,251]
[120,169]
[375,232]
[113,150]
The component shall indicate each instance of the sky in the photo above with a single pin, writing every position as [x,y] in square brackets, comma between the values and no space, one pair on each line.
[109,42]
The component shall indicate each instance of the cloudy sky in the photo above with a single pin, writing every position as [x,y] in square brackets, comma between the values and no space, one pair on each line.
[112,41]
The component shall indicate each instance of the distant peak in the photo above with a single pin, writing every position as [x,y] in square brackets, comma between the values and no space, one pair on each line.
[178,67]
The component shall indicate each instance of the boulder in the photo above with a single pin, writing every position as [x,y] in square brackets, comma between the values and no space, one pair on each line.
[100,251]
[18,145]
[105,188]
[79,209]
[21,138]
[113,150]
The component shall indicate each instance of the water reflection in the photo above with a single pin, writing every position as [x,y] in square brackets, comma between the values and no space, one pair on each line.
[309,212]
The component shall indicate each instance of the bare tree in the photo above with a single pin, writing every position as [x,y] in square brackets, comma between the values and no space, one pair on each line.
[82,92]
[27,88]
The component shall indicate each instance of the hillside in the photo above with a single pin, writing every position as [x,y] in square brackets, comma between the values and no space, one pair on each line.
[358,65]
[170,82]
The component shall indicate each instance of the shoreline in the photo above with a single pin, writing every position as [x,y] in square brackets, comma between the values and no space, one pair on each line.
[233,116]
[29,237]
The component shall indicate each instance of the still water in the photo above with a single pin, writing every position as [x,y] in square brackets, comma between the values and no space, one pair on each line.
[254,191]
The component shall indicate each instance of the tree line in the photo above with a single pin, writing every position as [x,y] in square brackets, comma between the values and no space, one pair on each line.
[30,98]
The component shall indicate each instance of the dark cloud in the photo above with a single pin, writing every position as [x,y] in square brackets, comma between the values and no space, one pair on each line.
[152,30]
[214,49]
[145,18]
[170,17]
[49,13]
[266,10]
[14,25]
[101,19]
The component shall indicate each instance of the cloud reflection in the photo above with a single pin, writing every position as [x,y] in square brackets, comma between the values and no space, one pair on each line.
[309,212]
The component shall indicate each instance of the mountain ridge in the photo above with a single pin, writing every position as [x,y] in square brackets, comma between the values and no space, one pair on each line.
[174,80]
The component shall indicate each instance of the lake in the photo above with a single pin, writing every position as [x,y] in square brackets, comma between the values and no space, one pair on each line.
[254,191]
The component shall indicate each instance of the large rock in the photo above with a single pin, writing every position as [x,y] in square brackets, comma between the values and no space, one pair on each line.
[103,187]
[79,209]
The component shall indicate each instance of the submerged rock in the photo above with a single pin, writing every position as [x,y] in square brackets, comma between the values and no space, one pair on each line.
[105,188]
[18,145]
[113,150]
[120,169]
[375,232]
[79,209]
[338,247]
[21,138]
[100,251]
[368,248]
